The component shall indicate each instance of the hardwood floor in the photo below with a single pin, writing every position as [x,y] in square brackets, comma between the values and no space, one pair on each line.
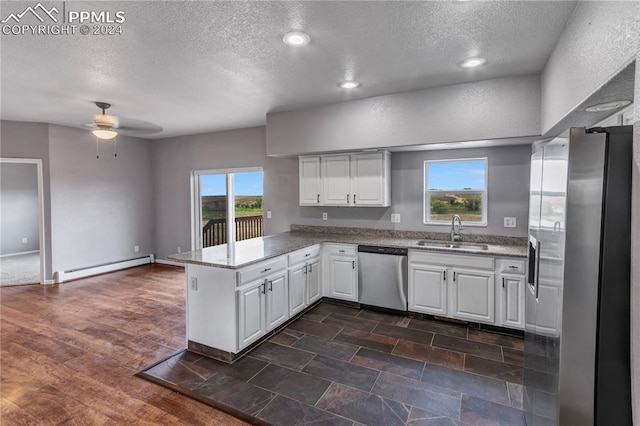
[68,353]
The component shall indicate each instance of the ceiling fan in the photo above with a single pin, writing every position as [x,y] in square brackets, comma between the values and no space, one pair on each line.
[105,123]
[107,127]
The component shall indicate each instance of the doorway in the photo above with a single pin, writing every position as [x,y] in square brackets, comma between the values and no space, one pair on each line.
[227,206]
[21,222]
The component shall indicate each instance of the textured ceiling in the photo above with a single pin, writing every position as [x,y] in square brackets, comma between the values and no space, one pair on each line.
[192,67]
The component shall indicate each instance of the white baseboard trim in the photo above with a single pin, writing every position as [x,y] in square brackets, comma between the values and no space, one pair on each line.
[170,262]
[20,254]
[48,282]
[62,276]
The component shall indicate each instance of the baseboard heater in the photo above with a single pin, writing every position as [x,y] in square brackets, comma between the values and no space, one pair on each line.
[74,274]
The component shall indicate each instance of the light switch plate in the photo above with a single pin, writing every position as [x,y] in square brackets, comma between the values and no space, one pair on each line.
[268,214]
[136,249]
[509,222]
[24,241]
[194,284]
[395,217]
[324,215]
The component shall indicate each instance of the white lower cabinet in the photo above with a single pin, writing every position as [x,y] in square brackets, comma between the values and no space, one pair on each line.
[304,278]
[512,288]
[277,299]
[510,292]
[251,314]
[342,271]
[451,285]
[297,284]
[472,295]
[428,289]
[314,289]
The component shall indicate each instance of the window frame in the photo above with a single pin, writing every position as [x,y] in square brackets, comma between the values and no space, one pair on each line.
[427,193]
[196,208]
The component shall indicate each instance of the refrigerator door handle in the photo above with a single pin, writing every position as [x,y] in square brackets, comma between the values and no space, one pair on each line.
[537,283]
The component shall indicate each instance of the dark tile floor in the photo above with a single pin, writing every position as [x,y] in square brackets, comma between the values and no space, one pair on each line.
[341,365]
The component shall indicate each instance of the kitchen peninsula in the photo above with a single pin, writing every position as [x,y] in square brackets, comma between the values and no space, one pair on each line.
[236,294]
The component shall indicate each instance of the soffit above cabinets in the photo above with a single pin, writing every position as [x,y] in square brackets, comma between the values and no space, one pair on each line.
[195,67]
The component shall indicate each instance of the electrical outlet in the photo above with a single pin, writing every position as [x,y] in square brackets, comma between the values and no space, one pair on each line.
[395,217]
[268,214]
[509,222]
[324,215]
[194,284]
[25,241]
[179,249]
[136,249]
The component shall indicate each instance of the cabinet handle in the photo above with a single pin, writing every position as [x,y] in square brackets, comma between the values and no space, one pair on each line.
[318,198]
[307,255]
[354,198]
[445,275]
[263,288]
[310,268]
[454,275]
[304,270]
[502,282]
[347,198]
[353,264]
[270,285]
[341,251]
[265,270]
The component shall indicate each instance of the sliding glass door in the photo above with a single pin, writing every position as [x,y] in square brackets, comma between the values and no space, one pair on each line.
[227,206]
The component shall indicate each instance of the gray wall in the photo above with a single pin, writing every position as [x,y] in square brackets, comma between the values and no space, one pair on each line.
[491,109]
[175,158]
[508,192]
[598,41]
[19,210]
[31,140]
[101,208]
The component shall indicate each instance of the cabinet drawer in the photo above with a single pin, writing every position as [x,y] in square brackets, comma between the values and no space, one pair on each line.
[341,250]
[261,270]
[508,266]
[469,261]
[304,255]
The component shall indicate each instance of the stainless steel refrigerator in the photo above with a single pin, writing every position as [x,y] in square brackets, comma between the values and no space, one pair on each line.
[577,315]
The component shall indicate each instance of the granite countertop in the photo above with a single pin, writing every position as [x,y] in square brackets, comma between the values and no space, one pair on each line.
[247,252]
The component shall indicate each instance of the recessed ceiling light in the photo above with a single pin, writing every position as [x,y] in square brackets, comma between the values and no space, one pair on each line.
[349,84]
[473,62]
[607,106]
[296,38]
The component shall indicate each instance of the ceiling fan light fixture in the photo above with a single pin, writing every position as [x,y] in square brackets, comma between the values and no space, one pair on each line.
[104,133]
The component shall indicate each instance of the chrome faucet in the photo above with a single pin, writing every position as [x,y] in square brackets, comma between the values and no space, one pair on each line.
[455,236]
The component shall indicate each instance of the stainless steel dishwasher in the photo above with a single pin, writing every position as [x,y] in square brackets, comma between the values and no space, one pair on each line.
[382,277]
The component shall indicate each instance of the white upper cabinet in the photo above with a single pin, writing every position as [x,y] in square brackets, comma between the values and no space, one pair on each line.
[310,183]
[370,183]
[336,180]
[360,179]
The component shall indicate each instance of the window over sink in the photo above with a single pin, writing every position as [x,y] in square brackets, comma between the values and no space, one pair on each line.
[456,186]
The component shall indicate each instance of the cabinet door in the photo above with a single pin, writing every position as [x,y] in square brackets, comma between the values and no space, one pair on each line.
[512,301]
[277,300]
[313,281]
[369,179]
[343,278]
[336,180]
[472,295]
[310,182]
[428,289]
[250,314]
[297,286]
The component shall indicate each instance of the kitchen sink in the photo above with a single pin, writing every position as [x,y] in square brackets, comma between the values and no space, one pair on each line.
[453,246]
